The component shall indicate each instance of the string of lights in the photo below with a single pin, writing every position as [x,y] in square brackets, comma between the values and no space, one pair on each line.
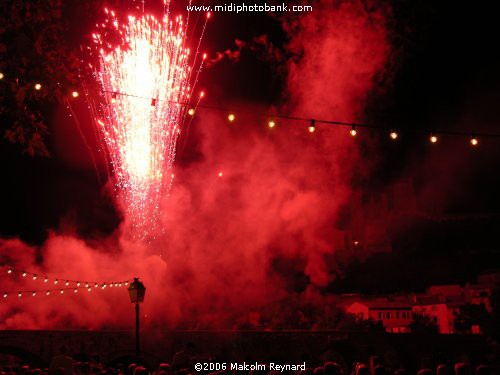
[59,291]
[37,86]
[393,133]
[67,282]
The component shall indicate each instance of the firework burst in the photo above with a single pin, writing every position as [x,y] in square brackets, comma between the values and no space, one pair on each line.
[144,73]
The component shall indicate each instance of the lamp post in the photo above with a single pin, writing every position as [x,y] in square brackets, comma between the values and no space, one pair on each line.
[137,290]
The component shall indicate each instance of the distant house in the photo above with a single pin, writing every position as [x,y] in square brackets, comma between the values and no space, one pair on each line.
[475,294]
[449,290]
[479,294]
[443,303]
[436,308]
[395,316]
[491,278]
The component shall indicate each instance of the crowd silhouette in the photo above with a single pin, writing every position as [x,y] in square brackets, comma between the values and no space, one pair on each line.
[183,362]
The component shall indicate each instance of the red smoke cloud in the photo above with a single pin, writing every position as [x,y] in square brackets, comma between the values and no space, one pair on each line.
[277,202]
[232,55]
[260,45]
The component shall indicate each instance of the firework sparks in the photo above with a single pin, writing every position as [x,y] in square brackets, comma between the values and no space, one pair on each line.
[145,82]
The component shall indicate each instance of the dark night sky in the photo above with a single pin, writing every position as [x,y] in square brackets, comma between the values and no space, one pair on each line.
[444,73]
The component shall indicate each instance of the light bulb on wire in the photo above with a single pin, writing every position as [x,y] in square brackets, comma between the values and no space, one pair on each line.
[312,126]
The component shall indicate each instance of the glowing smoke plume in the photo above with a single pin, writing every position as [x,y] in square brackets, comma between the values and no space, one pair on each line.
[145,85]
[258,237]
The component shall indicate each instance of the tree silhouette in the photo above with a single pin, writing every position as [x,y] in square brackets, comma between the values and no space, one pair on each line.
[469,315]
[423,324]
[37,46]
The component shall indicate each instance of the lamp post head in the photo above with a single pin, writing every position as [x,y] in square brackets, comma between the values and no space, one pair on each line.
[136,290]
